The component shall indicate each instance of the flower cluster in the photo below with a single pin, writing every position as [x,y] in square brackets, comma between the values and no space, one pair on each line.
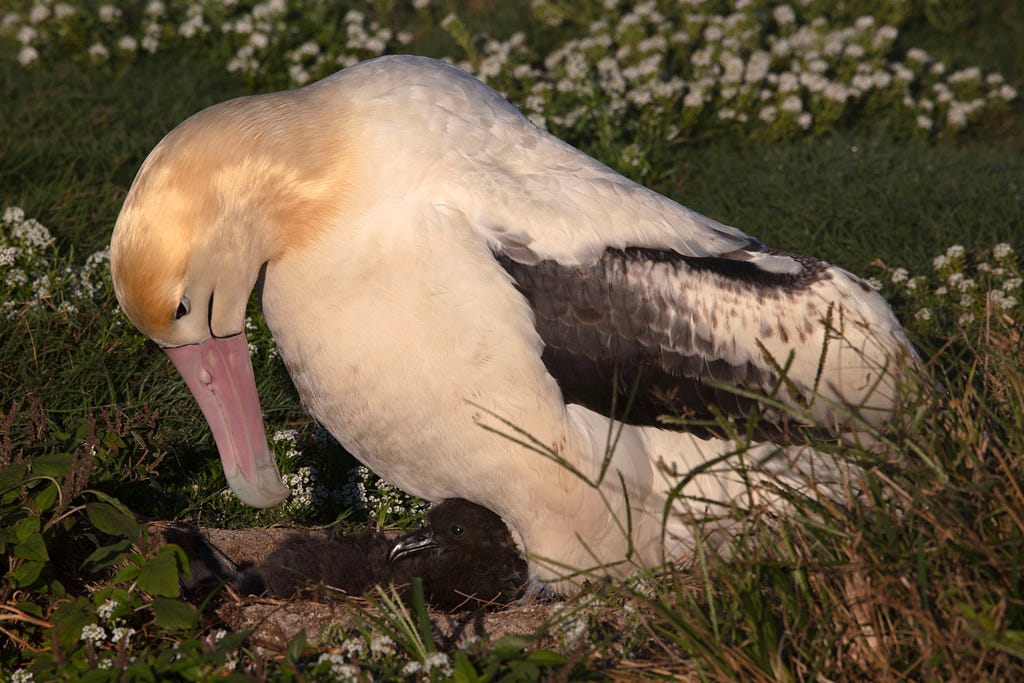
[303,40]
[380,500]
[643,74]
[109,634]
[345,661]
[357,657]
[436,664]
[673,71]
[962,290]
[28,274]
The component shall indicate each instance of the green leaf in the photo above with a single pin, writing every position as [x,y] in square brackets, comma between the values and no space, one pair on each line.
[546,658]
[26,574]
[112,441]
[296,646]
[45,499]
[12,476]
[30,608]
[463,671]
[113,521]
[32,548]
[159,576]
[106,555]
[174,614]
[24,528]
[510,646]
[128,573]
[68,621]
[419,609]
[56,465]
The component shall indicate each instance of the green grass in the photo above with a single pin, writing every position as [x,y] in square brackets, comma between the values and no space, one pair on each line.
[918,578]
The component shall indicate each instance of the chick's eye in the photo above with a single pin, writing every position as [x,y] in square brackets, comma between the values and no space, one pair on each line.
[184,308]
[456,530]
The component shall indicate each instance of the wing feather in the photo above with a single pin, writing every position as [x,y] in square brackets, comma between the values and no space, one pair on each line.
[660,332]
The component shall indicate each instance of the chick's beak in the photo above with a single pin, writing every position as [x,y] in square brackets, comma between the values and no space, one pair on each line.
[413,543]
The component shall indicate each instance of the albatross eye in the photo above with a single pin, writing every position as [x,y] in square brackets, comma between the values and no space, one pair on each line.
[184,308]
[456,530]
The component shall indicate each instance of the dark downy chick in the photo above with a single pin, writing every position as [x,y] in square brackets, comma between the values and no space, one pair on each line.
[465,556]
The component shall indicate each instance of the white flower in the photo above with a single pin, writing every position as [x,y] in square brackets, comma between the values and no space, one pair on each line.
[121,634]
[26,34]
[899,275]
[438,661]
[924,122]
[965,319]
[955,251]
[886,34]
[155,8]
[15,214]
[93,633]
[352,647]
[98,51]
[874,283]
[804,120]
[783,15]
[768,114]
[332,657]
[286,435]
[836,92]
[713,34]
[382,645]
[999,252]
[733,68]
[854,51]
[1012,283]
[792,104]
[108,13]
[38,13]
[22,676]
[940,261]
[106,609]
[128,43]
[339,669]
[411,668]
[15,277]
[923,314]
[298,74]
[27,55]
[758,66]
[694,98]
[918,55]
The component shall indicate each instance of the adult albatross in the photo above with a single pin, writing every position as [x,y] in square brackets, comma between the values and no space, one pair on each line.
[463,299]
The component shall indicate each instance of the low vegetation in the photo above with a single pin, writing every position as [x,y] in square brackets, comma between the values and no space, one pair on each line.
[884,136]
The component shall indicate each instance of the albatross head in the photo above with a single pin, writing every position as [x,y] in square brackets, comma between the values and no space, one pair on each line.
[232,188]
